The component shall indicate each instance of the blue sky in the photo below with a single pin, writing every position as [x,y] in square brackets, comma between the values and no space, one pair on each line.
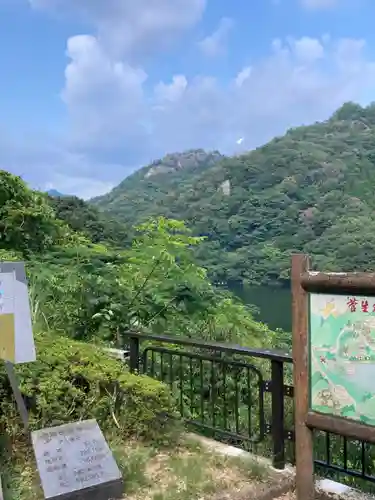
[93,89]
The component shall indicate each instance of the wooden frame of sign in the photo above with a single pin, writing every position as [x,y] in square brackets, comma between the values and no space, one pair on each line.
[309,287]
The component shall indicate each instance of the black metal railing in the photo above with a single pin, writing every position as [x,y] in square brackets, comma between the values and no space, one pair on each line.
[216,407]
[243,396]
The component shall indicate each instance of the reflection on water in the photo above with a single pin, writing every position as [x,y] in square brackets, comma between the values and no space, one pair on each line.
[274,304]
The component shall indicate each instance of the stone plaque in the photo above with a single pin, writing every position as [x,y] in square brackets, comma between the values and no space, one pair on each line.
[75,462]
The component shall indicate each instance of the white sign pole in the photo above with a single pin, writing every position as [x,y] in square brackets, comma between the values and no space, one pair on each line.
[16,335]
[9,367]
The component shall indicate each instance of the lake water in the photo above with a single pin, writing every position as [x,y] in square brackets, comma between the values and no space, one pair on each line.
[274,304]
[364,376]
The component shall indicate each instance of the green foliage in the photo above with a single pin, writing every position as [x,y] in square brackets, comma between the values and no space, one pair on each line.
[159,288]
[310,190]
[85,289]
[86,219]
[27,222]
[72,381]
[68,286]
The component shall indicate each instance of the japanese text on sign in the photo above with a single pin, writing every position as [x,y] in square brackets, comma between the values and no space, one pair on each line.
[355,305]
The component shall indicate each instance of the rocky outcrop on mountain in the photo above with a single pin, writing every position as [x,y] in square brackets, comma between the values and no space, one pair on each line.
[194,158]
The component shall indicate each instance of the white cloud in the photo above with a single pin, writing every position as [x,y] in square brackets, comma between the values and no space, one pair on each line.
[242,76]
[215,44]
[131,26]
[49,164]
[101,93]
[84,187]
[300,81]
[171,92]
[307,50]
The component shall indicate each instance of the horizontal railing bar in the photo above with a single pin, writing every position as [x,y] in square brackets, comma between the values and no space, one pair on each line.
[342,470]
[217,346]
[211,359]
[340,283]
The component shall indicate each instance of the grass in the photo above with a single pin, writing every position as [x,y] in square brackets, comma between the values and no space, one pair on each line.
[18,474]
[187,472]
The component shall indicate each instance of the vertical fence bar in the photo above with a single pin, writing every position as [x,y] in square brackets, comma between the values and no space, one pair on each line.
[304,440]
[134,354]
[277,428]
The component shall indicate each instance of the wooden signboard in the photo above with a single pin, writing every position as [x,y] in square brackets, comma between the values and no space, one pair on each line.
[334,360]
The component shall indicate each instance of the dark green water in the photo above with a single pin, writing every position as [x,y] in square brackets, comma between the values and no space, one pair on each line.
[274,304]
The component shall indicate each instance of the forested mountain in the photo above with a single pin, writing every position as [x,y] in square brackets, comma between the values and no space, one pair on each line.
[158,183]
[310,190]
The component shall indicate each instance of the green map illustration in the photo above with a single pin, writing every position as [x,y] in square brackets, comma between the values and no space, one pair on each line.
[342,356]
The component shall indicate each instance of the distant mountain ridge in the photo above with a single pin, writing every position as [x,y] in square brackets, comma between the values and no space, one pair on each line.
[55,194]
[310,190]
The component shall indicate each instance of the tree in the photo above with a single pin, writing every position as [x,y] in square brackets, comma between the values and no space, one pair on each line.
[27,223]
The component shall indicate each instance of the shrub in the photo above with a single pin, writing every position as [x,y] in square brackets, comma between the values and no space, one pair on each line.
[73,381]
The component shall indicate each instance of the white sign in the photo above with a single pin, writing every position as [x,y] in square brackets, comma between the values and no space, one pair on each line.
[16,335]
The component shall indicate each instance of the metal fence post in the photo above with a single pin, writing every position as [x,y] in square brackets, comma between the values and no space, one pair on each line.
[134,354]
[277,428]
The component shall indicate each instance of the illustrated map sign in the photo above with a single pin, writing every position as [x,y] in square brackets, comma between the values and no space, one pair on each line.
[75,462]
[16,336]
[342,356]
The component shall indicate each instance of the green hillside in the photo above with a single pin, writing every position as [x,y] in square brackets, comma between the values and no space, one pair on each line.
[310,190]
[152,189]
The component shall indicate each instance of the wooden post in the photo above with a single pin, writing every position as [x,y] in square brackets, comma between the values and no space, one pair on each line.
[304,442]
